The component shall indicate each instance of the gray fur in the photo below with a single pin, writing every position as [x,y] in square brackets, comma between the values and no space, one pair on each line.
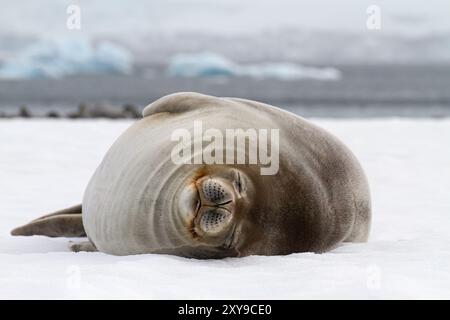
[318,199]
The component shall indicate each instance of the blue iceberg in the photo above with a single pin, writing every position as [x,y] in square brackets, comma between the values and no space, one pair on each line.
[203,64]
[59,58]
[208,64]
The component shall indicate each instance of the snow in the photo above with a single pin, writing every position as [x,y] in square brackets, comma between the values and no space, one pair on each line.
[45,165]
[65,57]
[208,64]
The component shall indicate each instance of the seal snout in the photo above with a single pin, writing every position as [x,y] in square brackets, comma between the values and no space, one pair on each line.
[207,207]
[216,205]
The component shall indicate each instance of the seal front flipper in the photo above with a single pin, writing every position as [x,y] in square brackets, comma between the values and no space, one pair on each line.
[63,223]
[85,246]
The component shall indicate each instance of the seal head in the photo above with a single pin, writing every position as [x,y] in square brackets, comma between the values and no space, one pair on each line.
[213,205]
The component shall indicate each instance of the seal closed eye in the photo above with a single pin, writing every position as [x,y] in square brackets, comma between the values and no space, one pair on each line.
[139,201]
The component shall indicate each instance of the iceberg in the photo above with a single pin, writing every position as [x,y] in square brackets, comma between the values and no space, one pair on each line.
[202,64]
[208,64]
[60,58]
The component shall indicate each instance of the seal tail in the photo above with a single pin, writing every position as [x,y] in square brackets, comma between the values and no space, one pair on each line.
[64,223]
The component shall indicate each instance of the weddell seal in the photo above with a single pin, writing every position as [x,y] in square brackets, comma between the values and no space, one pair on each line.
[206,177]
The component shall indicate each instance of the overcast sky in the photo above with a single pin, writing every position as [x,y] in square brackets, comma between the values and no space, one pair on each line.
[120,18]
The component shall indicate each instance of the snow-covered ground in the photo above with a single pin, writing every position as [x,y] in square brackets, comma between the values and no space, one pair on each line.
[44,165]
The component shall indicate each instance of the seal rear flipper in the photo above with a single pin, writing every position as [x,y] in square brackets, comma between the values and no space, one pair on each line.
[72,210]
[55,225]
[85,246]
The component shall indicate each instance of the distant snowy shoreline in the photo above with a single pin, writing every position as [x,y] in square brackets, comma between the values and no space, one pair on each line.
[361,91]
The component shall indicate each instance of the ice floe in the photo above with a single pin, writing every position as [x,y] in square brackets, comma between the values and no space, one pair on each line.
[59,58]
[208,64]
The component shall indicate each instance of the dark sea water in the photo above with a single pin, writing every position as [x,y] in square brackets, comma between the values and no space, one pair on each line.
[363,91]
